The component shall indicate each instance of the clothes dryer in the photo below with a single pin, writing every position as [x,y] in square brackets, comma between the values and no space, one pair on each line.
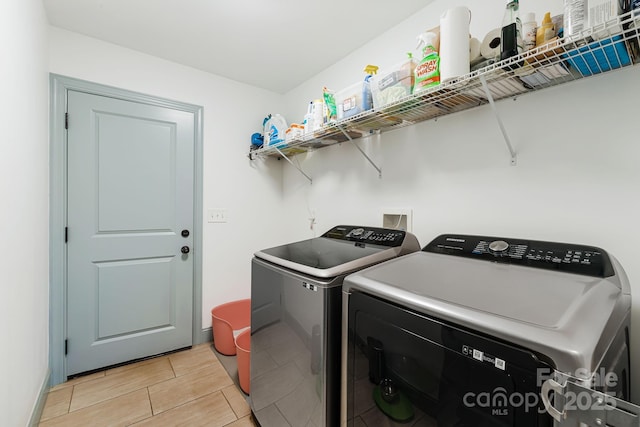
[465,332]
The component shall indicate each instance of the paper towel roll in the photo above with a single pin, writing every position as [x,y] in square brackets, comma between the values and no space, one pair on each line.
[490,48]
[454,43]
[474,50]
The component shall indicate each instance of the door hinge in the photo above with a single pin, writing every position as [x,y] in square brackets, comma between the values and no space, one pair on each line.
[66,120]
[66,234]
[66,347]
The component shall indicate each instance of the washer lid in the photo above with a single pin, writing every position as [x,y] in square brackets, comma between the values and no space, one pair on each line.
[341,250]
[540,298]
[562,315]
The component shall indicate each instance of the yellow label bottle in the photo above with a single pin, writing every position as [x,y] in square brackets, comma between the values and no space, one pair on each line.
[545,31]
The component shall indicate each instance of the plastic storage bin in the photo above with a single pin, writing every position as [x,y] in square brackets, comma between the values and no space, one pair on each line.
[353,100]
[599,56]
[243,350]
[390,87]
[227,321]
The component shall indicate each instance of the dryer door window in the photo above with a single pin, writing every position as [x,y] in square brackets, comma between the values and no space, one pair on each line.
[405,367]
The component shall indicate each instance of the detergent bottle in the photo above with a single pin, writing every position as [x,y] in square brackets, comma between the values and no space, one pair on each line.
[529,31]
[546,31]
[308,119]
[427,72]
[275,129]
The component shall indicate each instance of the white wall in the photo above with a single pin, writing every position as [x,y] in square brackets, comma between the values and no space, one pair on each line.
[24,189]
[251,192]
[576,179]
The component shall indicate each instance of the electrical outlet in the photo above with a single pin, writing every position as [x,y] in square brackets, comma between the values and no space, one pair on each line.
[397,218]
[217,215]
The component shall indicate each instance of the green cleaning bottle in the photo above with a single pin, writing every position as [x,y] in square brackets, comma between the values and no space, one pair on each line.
[427,72]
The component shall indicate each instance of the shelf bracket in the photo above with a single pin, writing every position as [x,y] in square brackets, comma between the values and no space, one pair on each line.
[361,151]
[499,120]
[293,164]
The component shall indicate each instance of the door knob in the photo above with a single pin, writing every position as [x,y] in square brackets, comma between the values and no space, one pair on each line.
[185,249]
[185,233]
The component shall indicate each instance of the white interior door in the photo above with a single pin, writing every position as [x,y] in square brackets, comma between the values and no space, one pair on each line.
[130,209]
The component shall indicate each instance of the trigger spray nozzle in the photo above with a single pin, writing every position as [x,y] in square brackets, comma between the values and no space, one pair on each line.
[371,69]
[426,43]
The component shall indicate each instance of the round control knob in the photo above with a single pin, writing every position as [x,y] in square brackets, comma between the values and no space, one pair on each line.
[357,232]
[498,247]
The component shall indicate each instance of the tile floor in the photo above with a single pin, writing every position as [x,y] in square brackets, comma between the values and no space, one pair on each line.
[188,388]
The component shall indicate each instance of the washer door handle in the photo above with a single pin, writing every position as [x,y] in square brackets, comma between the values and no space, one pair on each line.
[548,386]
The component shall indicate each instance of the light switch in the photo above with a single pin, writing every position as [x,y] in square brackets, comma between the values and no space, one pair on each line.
[217,215]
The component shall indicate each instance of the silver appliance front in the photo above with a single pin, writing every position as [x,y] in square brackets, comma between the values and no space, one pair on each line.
[502,311]
[296,321]
[295,347]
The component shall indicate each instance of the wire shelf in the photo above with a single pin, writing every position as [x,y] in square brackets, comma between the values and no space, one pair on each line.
[606,47]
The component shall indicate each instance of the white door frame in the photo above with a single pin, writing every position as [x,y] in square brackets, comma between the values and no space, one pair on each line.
[59,86]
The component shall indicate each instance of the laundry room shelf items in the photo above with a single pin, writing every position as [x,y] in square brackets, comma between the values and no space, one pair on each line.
[601,49]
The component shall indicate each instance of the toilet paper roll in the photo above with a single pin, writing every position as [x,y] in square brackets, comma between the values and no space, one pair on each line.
[454,43]
[490,47]
[474,50]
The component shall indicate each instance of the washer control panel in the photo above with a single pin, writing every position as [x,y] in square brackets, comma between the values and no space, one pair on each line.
[571,258]
[367,235]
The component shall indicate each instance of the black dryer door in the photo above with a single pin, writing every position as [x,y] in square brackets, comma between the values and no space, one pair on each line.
[405,366]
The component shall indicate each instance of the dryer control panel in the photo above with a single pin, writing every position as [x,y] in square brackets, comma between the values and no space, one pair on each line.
[570,258]
[367,235]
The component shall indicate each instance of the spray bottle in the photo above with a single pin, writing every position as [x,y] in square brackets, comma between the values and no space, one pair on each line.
[427,72]
[367,98]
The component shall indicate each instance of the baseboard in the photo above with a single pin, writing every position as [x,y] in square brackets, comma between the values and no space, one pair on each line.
[42,399]
[205,336]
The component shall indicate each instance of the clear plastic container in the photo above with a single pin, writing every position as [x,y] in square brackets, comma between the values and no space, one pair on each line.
[350,101]
[389,87]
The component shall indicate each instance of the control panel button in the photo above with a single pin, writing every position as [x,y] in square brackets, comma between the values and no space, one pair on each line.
[357,232]
[498,247]
[361,235]
[569,258]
